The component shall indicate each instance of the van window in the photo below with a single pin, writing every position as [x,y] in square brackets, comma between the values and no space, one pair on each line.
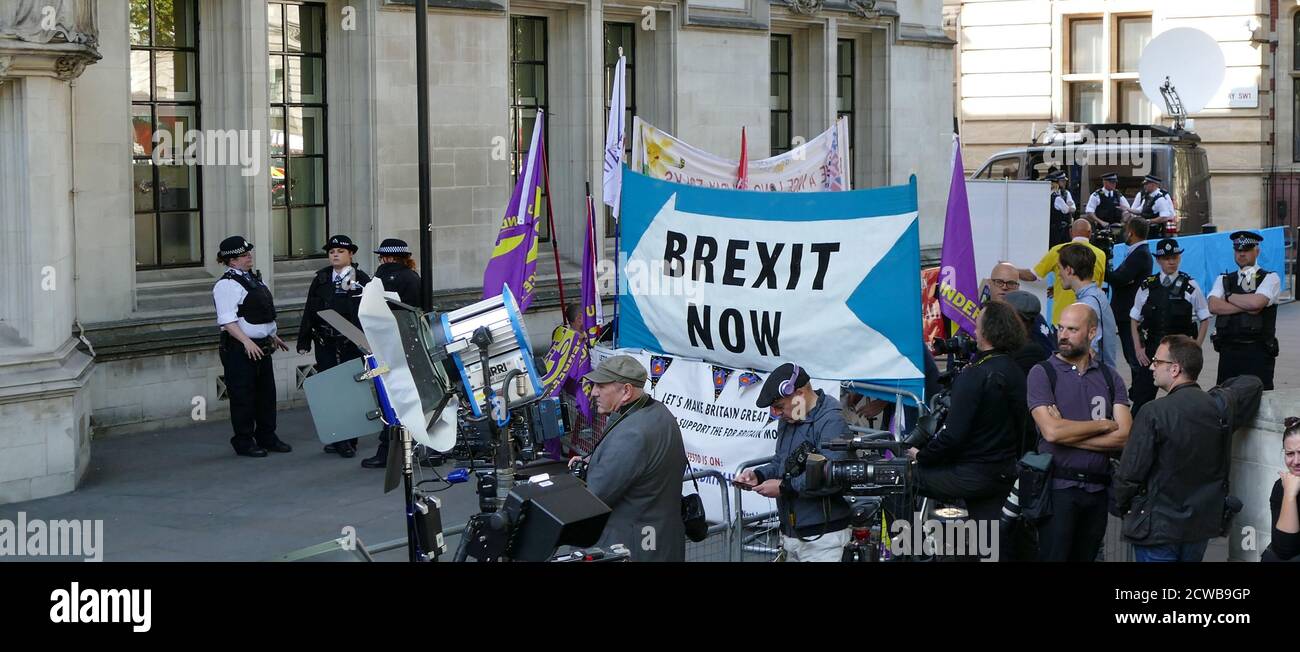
[1125,163]
[1007,167]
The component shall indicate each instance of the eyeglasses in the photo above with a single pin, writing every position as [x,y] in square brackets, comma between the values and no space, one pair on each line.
[1156,361]
[1006,285]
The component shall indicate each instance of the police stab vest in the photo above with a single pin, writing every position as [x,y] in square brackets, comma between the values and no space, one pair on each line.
[1244,328]
[258,307]
[1167,310]
[1149,203]
[1057,215]
[1108,207]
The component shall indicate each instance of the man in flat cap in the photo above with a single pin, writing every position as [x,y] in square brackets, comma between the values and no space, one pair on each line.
[1245,302]
[637,467]
[1153,203]
[814,524]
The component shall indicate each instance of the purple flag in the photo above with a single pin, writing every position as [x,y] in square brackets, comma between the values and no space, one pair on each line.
[590,298]
[514,259]
[958,284]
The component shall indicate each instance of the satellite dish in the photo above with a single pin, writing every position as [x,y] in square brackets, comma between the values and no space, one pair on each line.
[1190,60]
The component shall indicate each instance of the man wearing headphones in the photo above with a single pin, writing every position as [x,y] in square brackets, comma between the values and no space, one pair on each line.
[814,524]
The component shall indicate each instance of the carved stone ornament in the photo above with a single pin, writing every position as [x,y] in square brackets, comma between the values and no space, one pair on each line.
[804,7]
[865,8]
[70,67]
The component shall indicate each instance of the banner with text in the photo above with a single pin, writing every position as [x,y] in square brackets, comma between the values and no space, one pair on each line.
[821,164]
[749,280]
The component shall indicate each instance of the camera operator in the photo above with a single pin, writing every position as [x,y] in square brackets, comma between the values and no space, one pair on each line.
[973,457]
[637,467]
[1082,412]
[814,524]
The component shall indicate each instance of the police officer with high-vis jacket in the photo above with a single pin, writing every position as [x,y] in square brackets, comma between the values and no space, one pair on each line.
[1245,305]
[336,287]
[1106,205]
[1167,303]
[246,314]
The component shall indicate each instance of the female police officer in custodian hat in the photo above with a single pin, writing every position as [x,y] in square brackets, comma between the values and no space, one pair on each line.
[336,287]
[246,314]
[397,271]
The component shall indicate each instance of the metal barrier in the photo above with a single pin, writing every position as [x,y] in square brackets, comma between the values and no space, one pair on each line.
[710,549]
[739,543]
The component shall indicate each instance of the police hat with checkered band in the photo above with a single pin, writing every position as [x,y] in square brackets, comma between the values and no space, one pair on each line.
[1245,240]
[340,242]
[1167,247]
[234,247]
[393,247]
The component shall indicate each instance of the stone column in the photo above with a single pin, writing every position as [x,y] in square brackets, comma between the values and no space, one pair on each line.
[44,409]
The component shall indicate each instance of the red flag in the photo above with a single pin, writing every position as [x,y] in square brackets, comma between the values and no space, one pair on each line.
[742,173]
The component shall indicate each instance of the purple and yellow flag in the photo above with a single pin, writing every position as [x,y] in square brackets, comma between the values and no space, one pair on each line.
[591,312]
[514,259]
[958,283]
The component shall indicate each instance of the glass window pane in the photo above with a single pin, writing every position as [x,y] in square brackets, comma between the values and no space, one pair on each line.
[306,181]
[846,57]
[1133,104]
[178,187]
[140,79]
[275,27]
[781,86]
[304,28]
[276,119]
[142,185]
[177,121]
[304,80]
[1085,102]
[279,182]
[534,39]
[146,240]
[524,133]
[280,232]
[845,94]
[275,75]
[1134,34]
[175,82]
[1086,53]
[141,130]
[307,231]
[780,53]
[530,84]
[180,235]
[306,130]
[140,22]
[174,23]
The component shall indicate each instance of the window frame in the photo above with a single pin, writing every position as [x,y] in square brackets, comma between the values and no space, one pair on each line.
[284,105]
[774,147]
[1110,77]
[516,122]
[630,73]
[851,113]
[154,103]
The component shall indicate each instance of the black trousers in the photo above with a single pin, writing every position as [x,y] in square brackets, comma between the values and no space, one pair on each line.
[983,486]
[250,387]
[1143,390]
[1242,359]
[1076,528]
[331,353]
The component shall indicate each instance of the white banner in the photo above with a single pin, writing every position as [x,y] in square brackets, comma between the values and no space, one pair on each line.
[720,429]
[821,164]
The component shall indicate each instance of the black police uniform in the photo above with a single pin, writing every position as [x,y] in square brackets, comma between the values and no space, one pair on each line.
[399,278]
[1149,203]
[331,347]
[1167,311]
[1108,207]
[1247,344]
[250,384]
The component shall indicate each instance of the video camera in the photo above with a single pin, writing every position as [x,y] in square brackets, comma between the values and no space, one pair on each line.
[961,345]
[870,474]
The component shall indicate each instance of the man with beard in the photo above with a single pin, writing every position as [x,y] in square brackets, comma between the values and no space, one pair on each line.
[1082,413]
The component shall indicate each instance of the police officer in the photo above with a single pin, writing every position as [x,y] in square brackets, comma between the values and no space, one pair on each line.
[246,314]
[1063,208]
[1168,303]
[397,271]
[337,287]
[1106,205]
[1153,204]
[1245,302]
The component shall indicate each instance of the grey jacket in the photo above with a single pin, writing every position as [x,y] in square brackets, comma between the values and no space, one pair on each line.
[637,471]
[812,511]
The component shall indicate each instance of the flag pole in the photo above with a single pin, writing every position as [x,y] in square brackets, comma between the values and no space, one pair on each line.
[550,221]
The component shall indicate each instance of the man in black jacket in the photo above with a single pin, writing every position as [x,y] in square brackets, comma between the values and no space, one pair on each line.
[1124,281]
[1173,478]
[973,456]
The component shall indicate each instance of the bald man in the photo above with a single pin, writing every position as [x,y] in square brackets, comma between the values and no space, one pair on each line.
[1080,232]
[1003,279]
